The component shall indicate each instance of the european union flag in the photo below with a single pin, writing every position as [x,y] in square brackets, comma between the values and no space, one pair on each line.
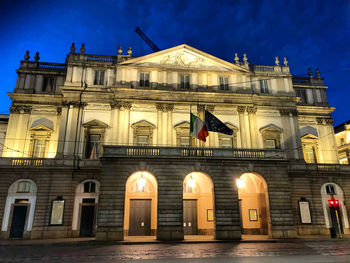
[215,125]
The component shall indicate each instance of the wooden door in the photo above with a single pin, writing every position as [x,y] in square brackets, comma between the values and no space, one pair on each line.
[19,216]
[190,217]
[87,220]
[140,217]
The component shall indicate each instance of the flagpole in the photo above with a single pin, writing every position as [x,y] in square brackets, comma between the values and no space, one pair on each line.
[189,138]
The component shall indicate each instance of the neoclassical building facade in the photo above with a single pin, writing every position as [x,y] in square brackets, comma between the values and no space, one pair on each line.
[100,146]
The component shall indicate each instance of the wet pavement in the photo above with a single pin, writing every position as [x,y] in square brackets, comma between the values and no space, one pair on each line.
[310,251]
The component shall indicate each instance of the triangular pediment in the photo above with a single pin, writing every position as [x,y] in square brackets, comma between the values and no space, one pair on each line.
[95,124]
[143,124]
[41,127]
[270,128]
[182,125]
[184,57]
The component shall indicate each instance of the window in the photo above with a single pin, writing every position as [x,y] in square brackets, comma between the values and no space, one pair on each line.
[39,148]
[302,94]
[23,187]
[93,146]
[185,82]
[330,189]
[89,187]
[270,144]
[144,79]
[310,154]
[263,86]
[99,77]
[226,142]
[223,83]
[142,140]
[48,84]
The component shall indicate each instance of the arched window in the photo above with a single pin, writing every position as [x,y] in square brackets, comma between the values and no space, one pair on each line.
[330,189]
[23,187]
[89,187]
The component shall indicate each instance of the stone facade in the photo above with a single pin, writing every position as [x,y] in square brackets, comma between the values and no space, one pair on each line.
[79,130]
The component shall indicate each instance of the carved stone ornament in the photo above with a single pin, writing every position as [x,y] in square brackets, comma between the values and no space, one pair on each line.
[59,110]
[241,109]
[82,49]
[169,107]
[251,109]
[72,48]
[200,107]
[245,59]
[115,105]
[120,50]
[211,108]
[26,56]
[126,105]
[27,108]
[15,108]
[236,58]
[319,121]
[277,61]
[36,58]
[129,51]
[65,103]
[285,61]
[329,121]
[159,106]
[285,112]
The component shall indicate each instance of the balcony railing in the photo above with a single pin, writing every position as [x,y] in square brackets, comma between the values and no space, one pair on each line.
[155,151]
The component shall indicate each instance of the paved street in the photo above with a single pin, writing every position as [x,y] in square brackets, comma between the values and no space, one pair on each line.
[262,252]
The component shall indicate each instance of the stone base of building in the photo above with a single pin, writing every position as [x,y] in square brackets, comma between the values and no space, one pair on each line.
[109,234]
[283,233]
[170,233]
[228,234]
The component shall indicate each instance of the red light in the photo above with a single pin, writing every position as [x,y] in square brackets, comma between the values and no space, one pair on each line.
[333,203]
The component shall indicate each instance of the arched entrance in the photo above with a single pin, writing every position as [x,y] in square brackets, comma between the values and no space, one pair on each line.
[85,208]
[335,217]
[254,204]
[140,214]
[19,210]
[198,205]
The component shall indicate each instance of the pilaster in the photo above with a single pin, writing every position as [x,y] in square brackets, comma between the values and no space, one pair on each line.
[242,126]
[252,126]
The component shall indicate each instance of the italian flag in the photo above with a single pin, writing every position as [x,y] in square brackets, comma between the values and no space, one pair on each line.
[198,128]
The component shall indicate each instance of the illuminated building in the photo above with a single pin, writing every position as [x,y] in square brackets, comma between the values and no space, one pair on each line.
[99,146]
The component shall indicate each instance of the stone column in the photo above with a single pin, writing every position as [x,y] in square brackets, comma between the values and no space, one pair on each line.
[62,129]
[71,135]
[242,126]
[200,114]
[21,131]
[252,126]
[331,140]
[170,108]
[11,128]
[213,139]
[127,106]
[298,151]
[160,108]
[114,138]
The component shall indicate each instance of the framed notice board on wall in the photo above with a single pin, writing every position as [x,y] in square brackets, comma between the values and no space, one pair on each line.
[305,215]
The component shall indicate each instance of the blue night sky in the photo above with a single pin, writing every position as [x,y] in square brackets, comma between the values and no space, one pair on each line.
[313,33]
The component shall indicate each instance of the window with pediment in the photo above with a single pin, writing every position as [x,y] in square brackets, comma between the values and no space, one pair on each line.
[223,83]
[94,132]
[40,133]
[228,141]
[143,133]
[184,81]
[183,138]
[309,144]
[271,136]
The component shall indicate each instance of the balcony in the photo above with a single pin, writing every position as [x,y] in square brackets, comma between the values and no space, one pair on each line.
[111,151]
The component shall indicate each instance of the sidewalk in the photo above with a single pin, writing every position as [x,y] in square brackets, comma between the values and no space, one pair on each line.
[152,240]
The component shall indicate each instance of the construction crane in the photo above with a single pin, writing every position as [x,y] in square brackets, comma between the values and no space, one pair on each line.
[147,40]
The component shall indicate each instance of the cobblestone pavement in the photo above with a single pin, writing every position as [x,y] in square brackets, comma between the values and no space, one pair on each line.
[90,251]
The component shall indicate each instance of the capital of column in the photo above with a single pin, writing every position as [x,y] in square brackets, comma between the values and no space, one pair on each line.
[115,105]
[329,121]
[211,108]
[241,109]
[126,105]
[319,121]
[200,107]
[169,107]
[26,109]
[251,110]
[15,108]
[285,112]
[160,106]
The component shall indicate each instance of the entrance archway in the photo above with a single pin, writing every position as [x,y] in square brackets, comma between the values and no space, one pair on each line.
[140,214]
[85,208]
[336,218]
[19,209]
[254,204]
[198,205]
